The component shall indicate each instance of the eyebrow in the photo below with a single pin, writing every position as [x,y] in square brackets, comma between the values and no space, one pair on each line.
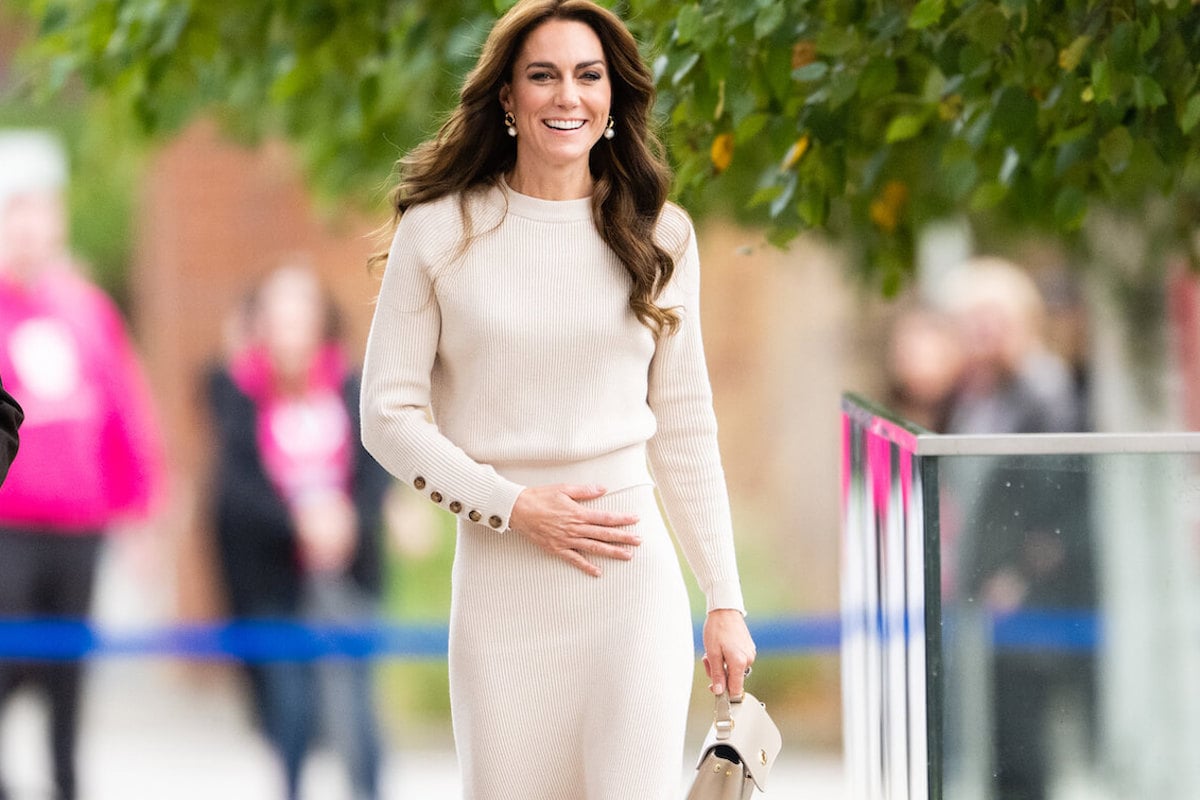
[548,65]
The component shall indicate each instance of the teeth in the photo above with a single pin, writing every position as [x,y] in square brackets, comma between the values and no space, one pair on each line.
[565,125]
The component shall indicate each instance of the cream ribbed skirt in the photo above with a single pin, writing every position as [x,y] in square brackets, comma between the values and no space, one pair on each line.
[564,686]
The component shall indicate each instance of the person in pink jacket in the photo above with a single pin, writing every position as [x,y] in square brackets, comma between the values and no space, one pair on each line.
[90,452]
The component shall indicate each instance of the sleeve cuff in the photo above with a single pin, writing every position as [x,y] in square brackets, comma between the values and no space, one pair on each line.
[503,498]
[493,512]
[726,594]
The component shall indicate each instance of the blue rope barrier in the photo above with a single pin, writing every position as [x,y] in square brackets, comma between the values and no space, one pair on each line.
[256,641]
[1034,631]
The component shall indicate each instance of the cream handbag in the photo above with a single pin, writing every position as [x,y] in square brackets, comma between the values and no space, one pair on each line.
[739,752]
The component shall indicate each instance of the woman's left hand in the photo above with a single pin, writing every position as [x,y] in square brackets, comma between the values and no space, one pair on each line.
[728,650]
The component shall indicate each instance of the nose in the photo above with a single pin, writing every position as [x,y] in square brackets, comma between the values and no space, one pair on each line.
[568,93]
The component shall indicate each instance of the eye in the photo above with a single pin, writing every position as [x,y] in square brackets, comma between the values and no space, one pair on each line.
[541,76]
[592,76]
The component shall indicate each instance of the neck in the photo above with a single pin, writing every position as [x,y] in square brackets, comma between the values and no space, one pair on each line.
[566,183]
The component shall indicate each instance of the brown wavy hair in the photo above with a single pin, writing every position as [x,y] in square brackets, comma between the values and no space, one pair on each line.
[472,148]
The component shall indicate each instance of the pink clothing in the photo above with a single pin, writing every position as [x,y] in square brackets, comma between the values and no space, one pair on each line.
[304,440]
[90,451]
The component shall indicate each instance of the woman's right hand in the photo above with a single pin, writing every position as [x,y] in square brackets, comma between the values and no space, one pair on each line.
[553,518]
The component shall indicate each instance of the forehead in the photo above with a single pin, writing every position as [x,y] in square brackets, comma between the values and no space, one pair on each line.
[561,42]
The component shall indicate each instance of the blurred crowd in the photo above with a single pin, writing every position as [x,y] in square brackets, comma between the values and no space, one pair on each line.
[981,359]
[295,502]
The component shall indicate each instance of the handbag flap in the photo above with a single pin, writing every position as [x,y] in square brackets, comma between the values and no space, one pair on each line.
[753,735]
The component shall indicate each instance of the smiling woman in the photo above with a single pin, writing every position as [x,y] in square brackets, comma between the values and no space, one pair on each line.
[559,100]
[541,297]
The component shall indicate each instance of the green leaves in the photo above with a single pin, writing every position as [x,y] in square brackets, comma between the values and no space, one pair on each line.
[1191,115]
[926,13]
[1116,147]
[1022,113]
[903,127]
[1009,110]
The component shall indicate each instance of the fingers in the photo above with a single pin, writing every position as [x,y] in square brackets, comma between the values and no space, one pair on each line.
[610,536]
[730,673]
[735,671]
[556,520]
[582,492]
[729,651]
[607,519]
[598,548]
[576,559]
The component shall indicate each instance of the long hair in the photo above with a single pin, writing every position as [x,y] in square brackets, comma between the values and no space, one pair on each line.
[472,149]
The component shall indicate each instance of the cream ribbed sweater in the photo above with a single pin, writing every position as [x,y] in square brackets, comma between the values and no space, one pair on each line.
[523,345]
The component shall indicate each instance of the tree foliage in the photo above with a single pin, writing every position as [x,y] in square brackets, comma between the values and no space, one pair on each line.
[873,118]
[864,118]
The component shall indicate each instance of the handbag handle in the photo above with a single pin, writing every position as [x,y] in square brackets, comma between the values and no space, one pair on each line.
[723,723]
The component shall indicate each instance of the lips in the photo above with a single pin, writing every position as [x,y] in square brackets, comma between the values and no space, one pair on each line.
[564,124]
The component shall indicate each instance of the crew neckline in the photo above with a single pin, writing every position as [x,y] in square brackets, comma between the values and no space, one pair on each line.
[524,205]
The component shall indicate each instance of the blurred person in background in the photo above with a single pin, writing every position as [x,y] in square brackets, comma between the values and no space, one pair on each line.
[91,455]
[1026,544]
[11,417]
[1012,382]
[924,364]
[298,511]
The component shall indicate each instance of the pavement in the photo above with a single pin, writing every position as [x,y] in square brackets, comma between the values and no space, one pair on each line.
[151,730]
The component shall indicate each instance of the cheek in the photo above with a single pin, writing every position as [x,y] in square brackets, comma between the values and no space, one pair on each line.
[528,99]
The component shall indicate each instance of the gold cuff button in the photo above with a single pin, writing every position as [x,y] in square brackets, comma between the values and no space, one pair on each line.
[435,497]
[418,483]
[474,516]
[455,506]
[495,521]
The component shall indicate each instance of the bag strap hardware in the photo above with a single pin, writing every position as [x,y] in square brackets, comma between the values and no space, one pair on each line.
[723,716]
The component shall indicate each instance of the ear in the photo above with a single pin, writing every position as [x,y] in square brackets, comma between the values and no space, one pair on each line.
[506,97]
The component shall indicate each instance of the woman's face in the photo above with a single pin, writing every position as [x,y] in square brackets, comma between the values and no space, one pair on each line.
[33,230]
[291,321]
[560,94]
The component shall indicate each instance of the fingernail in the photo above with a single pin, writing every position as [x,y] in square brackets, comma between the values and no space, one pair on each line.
[718,688]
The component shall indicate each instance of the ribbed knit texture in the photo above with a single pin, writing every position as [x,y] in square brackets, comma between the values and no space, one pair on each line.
[523,345]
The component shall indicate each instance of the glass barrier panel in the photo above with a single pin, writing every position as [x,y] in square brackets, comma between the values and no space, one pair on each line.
[1020,614]
[1070,595]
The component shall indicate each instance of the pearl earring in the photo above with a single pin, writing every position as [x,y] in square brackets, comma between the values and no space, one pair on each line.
[511,122]
[609,132]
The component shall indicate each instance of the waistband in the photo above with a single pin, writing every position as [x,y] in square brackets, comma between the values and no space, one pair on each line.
[618,469]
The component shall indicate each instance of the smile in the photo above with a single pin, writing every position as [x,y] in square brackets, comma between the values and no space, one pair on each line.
[565,124]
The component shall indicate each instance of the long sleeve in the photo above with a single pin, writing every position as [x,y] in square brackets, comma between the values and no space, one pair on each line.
[402,351]
[134,455]
[684,455]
